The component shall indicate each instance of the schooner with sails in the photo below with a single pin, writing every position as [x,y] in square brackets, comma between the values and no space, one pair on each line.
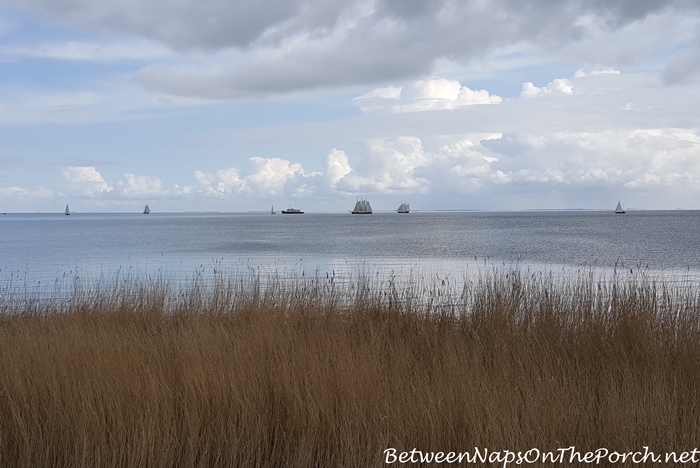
[362,206]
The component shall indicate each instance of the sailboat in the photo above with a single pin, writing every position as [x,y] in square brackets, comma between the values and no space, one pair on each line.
[272,210]
[619,209]
[67,211]
[146,210]
[404,208]
[362,206]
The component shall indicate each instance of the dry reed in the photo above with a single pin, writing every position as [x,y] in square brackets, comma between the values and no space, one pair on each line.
[251,371]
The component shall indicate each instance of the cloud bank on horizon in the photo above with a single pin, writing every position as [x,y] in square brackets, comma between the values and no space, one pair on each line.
[506,104]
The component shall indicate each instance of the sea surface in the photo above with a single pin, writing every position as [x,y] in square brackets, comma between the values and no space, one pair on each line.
[42,247]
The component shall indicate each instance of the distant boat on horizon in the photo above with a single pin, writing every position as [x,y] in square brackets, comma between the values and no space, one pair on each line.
[147,210]
[272,210]
[292,211]
[67,212]
[404,208]
[362,206]
[619,209]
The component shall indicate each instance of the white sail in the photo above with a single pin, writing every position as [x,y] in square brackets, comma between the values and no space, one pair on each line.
[67,210]
[619,209]
[272,210]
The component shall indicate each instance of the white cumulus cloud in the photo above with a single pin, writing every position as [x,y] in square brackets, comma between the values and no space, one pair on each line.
[558,87]
[272,174]
[337,166]
[85,180]
[88,182]
[487,165]
[389,166]
[222,182]
[425,95]
[134,186]
[634,159]
[19,193]
[269,177]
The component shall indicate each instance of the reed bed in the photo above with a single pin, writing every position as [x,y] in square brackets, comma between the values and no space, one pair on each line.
[276,371]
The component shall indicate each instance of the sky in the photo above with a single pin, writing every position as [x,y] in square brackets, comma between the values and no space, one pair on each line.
[213,105]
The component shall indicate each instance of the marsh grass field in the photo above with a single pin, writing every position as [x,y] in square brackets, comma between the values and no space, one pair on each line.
[246,371]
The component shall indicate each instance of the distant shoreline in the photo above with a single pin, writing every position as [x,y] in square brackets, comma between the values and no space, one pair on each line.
[267,212]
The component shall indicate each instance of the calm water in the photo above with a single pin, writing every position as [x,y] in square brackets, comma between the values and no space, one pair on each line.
[44,246]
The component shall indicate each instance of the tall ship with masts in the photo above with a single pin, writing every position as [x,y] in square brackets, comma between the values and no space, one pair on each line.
[404,208]
[362,206]
[147,210]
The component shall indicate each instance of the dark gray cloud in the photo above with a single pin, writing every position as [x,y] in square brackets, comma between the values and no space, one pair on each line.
[194,24]
[620,12]
[277,46]
[214,24]
[217,24]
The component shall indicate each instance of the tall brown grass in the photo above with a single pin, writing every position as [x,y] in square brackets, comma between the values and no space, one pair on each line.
[277,372]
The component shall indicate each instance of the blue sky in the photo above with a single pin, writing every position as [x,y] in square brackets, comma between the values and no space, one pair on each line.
[234,106]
